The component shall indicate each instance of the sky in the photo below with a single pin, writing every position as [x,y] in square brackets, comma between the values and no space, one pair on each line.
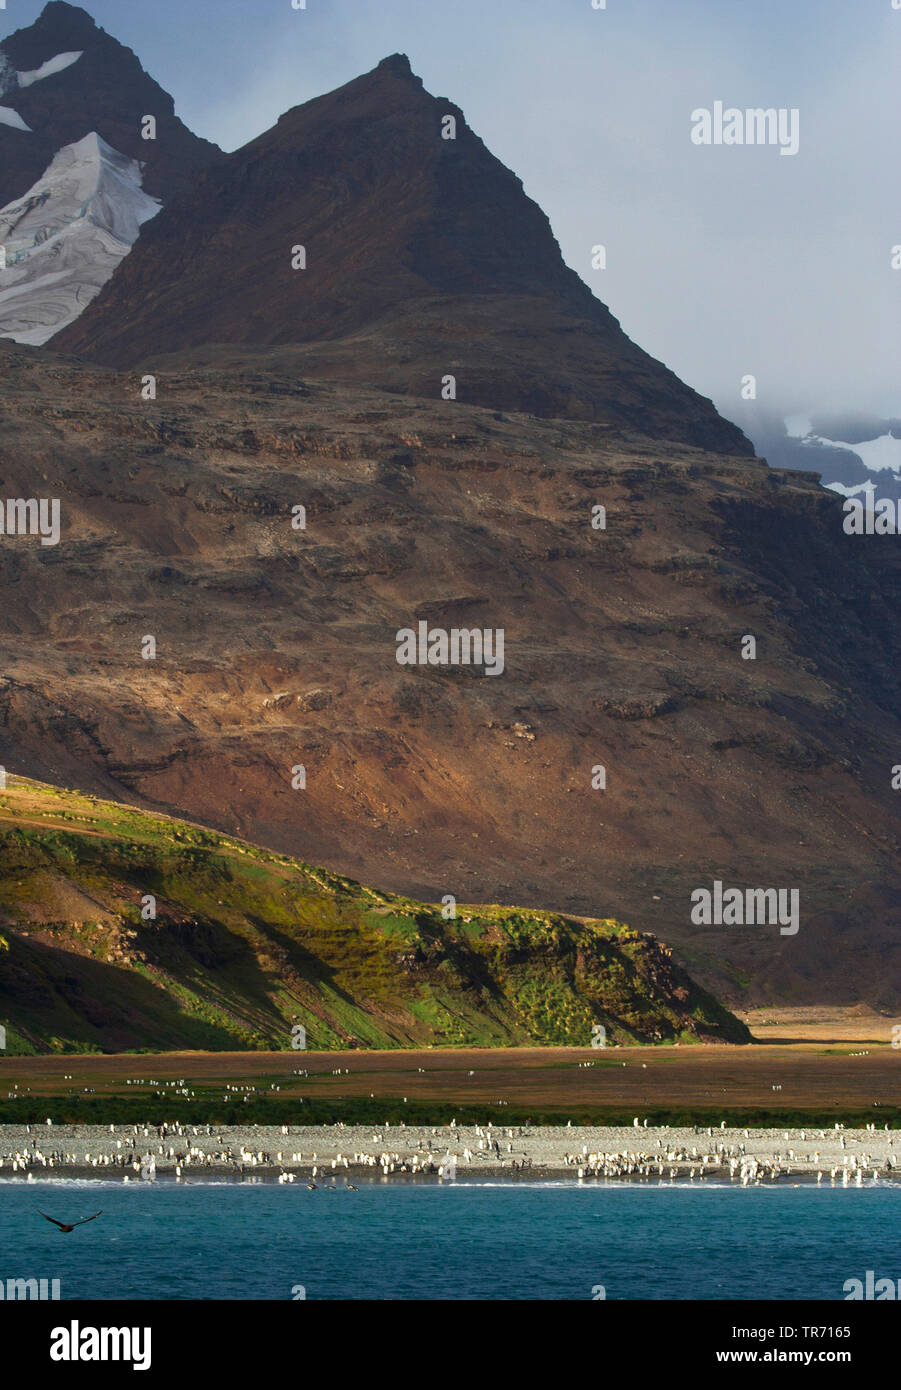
[723,261]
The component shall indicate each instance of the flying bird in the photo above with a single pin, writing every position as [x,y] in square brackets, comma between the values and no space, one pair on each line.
[62,1225]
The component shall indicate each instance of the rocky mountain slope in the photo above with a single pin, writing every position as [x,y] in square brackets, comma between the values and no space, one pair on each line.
[276,647]
[701,674]
[63,78]
[423,258]
[121,930]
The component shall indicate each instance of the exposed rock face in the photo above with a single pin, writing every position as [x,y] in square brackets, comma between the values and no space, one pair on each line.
[105,90]
[424,258]
[276,648]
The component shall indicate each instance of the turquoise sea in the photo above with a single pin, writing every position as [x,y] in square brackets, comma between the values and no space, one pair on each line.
[465,1240]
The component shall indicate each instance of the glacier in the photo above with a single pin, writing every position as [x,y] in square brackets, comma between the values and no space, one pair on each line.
[63,240]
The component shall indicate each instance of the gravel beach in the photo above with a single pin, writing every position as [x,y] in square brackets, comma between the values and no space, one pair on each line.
[326,1153]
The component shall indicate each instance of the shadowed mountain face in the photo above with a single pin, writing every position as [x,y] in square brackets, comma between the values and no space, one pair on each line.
[105,90]
[424,258]
[276,648]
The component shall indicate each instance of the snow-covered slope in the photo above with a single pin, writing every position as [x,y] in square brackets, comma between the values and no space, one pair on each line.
[853,455]
[65,238]
[854,452]
[878,454]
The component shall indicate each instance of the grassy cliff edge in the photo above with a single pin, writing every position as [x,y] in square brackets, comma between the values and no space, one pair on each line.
[246,944]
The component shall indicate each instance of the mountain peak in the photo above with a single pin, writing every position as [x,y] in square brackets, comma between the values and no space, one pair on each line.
[397,64]
[419,239]
[62,78]
[60,9]
[65,21]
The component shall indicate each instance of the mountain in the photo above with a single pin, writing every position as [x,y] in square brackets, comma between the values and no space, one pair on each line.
[424,258]
[277,647]
[633,749]
[235,946]
[854,454]
[64,78]
[64,239]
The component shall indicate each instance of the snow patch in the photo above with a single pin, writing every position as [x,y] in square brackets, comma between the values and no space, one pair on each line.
[52,65]
[12,81]
[850,491]
[879,455]
[12,118]
[67,235]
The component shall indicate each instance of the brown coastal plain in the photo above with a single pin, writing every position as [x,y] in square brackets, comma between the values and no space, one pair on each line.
[819,1065]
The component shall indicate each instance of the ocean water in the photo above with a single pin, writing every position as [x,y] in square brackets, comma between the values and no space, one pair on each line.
[464,1240]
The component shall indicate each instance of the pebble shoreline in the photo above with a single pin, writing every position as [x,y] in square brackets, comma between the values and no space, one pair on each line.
[323,1153]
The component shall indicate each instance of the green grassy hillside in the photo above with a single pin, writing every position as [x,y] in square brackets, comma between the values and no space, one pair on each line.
[246,944]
